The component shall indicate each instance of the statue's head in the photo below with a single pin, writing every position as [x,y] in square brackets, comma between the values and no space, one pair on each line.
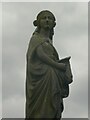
[41,22]
[41,19]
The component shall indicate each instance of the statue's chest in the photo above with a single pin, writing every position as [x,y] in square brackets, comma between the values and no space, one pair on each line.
[48,48]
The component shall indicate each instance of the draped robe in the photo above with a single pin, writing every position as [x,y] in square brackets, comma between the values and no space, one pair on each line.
[44,86]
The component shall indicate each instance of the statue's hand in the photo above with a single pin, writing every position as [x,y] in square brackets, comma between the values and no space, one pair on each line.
[62,66]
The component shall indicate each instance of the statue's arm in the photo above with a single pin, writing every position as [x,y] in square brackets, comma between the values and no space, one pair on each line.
[43,56]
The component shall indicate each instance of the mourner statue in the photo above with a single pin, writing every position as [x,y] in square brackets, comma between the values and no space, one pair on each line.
[47,76]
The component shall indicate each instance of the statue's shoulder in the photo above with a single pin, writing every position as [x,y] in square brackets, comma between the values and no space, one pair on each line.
[36,39]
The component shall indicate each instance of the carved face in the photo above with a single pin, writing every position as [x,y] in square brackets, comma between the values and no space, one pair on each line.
[46,21]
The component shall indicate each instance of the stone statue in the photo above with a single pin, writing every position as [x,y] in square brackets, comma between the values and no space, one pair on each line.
[47,76]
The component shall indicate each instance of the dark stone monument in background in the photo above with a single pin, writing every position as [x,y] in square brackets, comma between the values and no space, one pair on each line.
[47,76]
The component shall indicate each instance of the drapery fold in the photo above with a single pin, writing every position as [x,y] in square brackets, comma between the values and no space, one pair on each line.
[44,86]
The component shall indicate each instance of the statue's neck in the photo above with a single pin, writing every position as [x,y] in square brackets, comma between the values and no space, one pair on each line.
[45,33]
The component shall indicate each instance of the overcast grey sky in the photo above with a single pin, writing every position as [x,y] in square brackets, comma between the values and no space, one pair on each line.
[70,39]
